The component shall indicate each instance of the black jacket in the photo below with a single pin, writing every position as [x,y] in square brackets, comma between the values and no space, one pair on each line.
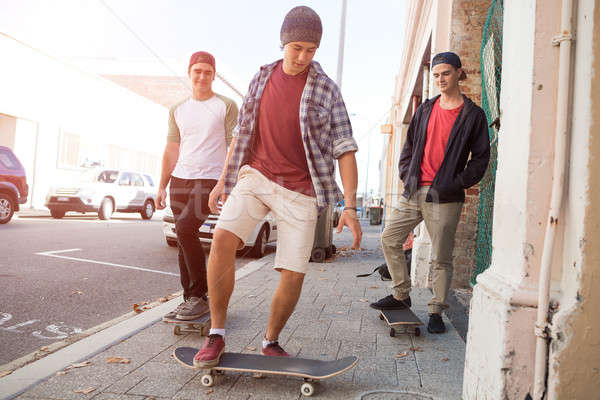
[469,134]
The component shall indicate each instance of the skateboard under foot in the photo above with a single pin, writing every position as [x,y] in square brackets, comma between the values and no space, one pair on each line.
[404,320]
[199,325]
[310,370]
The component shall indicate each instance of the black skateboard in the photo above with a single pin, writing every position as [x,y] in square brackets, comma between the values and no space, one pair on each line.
[199,325]
[403,319]
[310,370]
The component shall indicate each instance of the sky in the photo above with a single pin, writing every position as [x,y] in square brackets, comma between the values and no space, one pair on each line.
[243,35]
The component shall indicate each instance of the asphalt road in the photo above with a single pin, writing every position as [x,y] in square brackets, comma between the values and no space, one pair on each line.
[60,277]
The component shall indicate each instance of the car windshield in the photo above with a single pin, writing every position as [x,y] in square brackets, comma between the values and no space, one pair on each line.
[106,176]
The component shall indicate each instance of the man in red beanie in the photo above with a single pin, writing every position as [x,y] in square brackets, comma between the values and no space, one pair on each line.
[200,129]
[293,126]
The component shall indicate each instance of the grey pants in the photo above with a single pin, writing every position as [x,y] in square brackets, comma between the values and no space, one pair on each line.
[441,221]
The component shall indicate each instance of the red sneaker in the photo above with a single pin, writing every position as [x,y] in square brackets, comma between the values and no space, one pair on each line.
[274,349]
[210,353]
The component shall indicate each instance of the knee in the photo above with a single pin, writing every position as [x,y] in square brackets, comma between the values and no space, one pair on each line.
[225,242]
[388,240]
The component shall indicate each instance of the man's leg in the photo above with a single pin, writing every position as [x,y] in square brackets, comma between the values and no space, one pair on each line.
[221,275]
[284,302]
[187,225]
[402,221]
[441,221]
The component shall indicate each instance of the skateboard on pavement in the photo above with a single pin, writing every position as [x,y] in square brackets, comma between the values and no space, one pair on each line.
[199,325]
[310,370]
[403,319]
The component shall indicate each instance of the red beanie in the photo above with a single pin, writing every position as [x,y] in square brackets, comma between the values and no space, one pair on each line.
[202,57]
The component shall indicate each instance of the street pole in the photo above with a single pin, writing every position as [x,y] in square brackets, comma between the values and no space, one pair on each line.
[340,65]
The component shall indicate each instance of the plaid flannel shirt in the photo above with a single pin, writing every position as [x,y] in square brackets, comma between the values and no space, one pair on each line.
[324,123]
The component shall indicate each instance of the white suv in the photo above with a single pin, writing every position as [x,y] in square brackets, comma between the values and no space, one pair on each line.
[105,191]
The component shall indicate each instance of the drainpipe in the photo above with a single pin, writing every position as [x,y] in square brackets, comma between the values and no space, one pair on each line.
[563,40]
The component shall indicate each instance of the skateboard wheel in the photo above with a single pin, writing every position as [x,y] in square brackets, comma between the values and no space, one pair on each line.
[177,330]
[207,380]
[307,389]
[417,331]
[381,317]
[392,332]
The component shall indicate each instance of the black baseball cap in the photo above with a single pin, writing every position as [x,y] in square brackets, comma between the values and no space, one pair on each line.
[451,58]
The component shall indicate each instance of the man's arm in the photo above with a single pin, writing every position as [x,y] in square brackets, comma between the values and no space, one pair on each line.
[407,149]
[349,175]
[480,154]
[169,161]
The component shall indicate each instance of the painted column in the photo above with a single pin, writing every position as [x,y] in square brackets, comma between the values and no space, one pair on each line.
[500,340]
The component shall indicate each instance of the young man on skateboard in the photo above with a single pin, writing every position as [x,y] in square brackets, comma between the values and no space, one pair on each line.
[446,151]
[200,129]
[292,125]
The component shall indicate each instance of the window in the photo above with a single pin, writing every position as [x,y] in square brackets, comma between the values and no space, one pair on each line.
[149,180]
[69,150]
[125,179]
[7,160]
[136,180]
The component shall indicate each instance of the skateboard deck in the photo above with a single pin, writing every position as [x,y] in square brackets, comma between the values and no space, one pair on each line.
[199,325]
[404,319]
[310,370]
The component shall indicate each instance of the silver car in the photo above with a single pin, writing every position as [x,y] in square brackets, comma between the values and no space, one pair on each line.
[104,191]
[264,233]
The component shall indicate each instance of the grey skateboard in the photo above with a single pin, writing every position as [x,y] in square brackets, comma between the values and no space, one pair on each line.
[310,370]
[200,325]
[404,319]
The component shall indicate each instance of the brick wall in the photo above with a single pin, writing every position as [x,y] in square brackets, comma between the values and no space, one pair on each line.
[468,21]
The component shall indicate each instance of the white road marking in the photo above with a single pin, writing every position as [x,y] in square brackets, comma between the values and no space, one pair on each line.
[54,254]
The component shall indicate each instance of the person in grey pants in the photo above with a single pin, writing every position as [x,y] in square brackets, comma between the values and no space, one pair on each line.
[447,150]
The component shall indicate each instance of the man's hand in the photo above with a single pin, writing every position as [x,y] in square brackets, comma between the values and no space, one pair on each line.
[215,195]
[161,199]
[350,219]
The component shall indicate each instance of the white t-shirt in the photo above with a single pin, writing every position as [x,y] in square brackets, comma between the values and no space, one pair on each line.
[203,130]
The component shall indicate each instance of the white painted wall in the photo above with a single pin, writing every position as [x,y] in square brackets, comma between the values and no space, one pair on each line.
[45,91]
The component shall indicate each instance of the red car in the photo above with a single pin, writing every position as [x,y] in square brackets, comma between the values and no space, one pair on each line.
[13,184]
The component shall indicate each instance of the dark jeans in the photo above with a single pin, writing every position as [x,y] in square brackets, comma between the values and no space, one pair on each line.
[189,202]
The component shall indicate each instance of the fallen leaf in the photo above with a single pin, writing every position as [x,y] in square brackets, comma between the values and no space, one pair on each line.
[59,373]
[77,292]
[4,373]
[78,365]
[209,391]
[117,360]
[373,287]
[163,299]
[251,348]
[45,348]
[136,308]
[445,359]
[402,354]
[418,348]
[85,391]
[364,300]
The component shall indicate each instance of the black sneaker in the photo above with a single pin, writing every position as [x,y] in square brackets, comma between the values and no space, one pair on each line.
[436,324]
[390,303]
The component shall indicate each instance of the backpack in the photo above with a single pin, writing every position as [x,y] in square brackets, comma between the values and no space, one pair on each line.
[383,273]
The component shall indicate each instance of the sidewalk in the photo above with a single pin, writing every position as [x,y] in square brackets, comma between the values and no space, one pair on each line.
[332,320]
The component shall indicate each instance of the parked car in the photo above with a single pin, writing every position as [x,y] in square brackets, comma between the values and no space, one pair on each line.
[13,184]
[105,191]
[265,232]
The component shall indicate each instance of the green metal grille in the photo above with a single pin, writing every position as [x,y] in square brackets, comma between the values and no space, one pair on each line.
[491,73]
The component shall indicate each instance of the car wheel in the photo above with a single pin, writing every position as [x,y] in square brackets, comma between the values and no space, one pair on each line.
[58,214]
[260,245]
[106,209]
[148,209]
[171,242]
[7,208]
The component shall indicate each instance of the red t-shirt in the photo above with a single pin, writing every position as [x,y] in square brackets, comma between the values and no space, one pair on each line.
[438,132]
[278,151]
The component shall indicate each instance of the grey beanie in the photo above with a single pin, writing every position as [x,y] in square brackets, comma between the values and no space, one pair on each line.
[301,24]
